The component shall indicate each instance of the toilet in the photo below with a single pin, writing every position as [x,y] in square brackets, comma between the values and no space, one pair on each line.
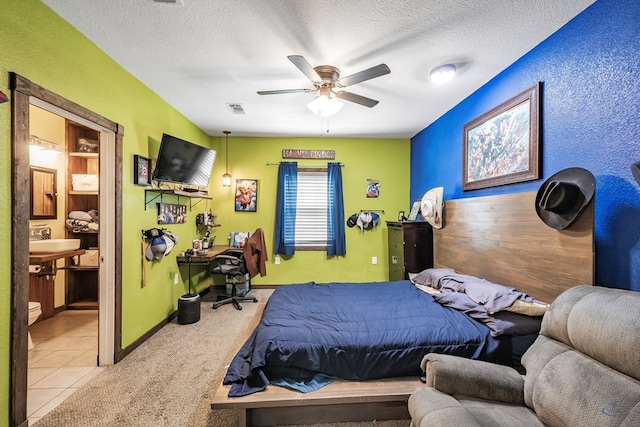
[34,312]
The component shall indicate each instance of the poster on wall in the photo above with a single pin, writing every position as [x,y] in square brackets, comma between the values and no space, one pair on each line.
[373,188]
[246,199]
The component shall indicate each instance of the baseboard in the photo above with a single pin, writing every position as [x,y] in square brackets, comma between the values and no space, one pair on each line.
[128,349]
[125,351]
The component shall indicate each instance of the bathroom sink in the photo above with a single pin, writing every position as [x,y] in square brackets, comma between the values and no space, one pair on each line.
[53,245]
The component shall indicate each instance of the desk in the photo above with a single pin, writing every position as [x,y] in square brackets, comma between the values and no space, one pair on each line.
[204,259]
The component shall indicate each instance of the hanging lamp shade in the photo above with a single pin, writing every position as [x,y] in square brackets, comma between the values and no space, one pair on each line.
[226,178]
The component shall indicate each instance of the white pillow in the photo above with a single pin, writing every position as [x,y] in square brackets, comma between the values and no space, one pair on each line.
[528,308]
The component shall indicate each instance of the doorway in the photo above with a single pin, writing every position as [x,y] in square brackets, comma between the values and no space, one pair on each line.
[24,94]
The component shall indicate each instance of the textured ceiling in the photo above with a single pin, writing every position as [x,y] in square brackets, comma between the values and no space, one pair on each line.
[203,54]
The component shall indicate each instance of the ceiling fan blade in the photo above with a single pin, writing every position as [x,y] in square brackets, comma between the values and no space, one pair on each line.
[304,66]
[368,74]
[277,92]
[358,99]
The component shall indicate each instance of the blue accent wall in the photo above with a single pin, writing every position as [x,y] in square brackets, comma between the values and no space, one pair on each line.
[590,117]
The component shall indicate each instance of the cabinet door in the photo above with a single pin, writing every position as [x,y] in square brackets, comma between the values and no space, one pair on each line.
[418,247]
[396,253]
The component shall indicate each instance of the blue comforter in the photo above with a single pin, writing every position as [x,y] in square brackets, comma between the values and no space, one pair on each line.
[310,333]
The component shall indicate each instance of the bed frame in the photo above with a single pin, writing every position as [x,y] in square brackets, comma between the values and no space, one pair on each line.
[499,238]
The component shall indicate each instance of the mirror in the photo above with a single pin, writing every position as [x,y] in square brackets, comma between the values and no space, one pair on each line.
[44,194]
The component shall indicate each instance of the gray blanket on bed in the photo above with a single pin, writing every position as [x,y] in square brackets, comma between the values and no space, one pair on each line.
[480,299]
[492,296]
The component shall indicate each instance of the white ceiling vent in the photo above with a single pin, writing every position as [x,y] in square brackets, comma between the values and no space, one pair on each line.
[178,2]
[235,108]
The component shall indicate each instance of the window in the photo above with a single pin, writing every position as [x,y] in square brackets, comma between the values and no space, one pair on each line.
[311,209]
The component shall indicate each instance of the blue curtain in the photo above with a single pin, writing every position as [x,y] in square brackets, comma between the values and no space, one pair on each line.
[285,230]
[336,243]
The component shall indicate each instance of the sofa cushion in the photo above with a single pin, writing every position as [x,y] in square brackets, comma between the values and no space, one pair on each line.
[583,369]
[493,414]
[431,407]
[573,389]
[602,323]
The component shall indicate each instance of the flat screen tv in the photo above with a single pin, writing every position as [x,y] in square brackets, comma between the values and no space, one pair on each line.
[183,162]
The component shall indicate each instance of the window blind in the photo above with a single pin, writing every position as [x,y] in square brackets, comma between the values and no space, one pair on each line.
[311,209]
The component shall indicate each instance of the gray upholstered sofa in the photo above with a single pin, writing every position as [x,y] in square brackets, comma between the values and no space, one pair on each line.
[583,370]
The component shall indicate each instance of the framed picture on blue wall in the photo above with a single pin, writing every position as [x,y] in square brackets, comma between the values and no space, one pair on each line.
[501,146]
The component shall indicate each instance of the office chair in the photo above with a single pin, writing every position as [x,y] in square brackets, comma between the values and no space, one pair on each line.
[232,264]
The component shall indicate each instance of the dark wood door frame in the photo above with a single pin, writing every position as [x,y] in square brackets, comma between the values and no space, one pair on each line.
[22,89]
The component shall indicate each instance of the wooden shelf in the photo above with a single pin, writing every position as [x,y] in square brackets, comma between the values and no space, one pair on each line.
[82,282]
[83,193]
[179,193]
[83,154]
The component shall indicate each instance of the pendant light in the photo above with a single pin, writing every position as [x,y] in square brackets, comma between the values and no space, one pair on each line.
[226,178]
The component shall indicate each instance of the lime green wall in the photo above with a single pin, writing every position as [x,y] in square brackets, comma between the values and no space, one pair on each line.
[40,46]
[383,159]
[43,48]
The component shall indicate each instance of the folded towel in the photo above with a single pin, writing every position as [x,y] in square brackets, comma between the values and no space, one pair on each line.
[81,216]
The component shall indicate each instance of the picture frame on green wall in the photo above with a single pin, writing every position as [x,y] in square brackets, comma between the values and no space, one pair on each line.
[141,170]
[246,196]
[501,146]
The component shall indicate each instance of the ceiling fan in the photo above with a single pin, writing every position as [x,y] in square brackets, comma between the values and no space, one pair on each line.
[327,82]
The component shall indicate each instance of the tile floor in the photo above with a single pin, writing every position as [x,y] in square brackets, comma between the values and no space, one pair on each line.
[63,360]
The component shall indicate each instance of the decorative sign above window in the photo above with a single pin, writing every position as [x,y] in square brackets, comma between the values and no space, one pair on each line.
[308,154]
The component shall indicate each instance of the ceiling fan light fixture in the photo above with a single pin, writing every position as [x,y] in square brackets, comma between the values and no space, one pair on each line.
[443,73]
[325,106]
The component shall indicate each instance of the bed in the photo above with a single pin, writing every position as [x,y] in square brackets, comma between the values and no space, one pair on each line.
[312,334]
[479,234]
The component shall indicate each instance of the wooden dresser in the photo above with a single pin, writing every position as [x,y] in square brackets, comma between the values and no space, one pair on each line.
[410,248]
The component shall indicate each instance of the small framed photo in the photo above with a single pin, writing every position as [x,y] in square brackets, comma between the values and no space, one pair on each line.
[169,213]
[246,199]
[401,216]
[141,170]
[415,210]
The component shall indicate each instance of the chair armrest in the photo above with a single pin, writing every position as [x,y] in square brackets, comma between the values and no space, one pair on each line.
[229,257]
[473,378]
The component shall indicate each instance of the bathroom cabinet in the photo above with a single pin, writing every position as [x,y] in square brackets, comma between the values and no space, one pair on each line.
[42,290]
[83,166]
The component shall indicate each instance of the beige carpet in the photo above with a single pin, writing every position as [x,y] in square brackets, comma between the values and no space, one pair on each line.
[171,378]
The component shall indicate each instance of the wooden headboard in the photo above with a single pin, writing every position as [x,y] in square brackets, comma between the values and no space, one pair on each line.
[502,239]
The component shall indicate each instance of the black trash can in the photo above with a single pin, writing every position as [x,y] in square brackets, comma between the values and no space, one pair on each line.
[188,309]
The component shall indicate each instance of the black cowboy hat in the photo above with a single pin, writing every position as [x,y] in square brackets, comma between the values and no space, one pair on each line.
[563,197]
[635,170]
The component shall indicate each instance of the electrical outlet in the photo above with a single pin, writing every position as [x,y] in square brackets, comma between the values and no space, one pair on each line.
[374,260]
[175,279]
[276,260]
